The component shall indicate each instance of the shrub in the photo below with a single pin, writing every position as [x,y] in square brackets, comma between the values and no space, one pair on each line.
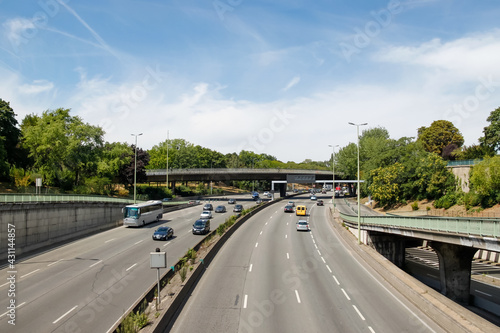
[183,273]
[414,205]
[446,201]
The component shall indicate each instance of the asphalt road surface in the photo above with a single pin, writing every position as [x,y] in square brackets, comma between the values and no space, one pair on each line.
[268,277]
[86,285]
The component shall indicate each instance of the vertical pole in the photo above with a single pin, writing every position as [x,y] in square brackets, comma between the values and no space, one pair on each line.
[158,300]
[359,192]
[168,144]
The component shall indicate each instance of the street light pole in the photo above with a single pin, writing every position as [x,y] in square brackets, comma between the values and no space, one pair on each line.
[135,165]
[333,175]
[358,188]
[168,144]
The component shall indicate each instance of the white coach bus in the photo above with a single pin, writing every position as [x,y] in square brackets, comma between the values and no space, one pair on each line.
[140,214]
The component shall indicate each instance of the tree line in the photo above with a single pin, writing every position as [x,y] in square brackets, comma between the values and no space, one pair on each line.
[72,156]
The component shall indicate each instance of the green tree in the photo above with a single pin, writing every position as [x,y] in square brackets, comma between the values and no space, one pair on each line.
[10,136]
[485,180]
[491,138]
[440,134]
[64,149]
[386,184]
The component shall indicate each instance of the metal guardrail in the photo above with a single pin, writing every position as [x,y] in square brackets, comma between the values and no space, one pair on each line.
[28,198]
[457,225]
[463,162]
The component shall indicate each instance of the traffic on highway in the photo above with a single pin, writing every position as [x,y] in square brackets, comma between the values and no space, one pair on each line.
[88,284]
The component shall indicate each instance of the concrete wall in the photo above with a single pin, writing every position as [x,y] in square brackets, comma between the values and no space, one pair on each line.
[39,225]
[462,173]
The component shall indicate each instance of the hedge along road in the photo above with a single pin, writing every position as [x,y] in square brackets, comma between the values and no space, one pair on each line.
[269,277]
[86,285]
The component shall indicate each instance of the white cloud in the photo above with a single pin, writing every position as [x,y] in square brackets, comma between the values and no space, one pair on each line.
[16,28]
[38,86]
[292,83]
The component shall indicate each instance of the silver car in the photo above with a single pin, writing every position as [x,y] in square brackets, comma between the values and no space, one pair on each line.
[303,225]
[206,214]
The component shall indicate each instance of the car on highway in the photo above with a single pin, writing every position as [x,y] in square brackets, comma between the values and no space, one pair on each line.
[288,209]
[291,203]
[231,201]
[220,209]
[303,225]
[313,197]
[237,208]
[208,206]
[319,202]
[255,195]
[201,226]
[206,214]
[163,233]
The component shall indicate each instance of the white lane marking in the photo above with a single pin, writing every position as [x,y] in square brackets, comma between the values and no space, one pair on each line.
[110,240]
[36,270]
[328,267]
[256,244]
[345,294]
[266,223]
[287,256]
[318,252]
[260,233]
[287,223]
[298,297]
[139,242]
[166,244]
[64,314]
[4,284]
[316,246]
[95,263]
[55,262]
[314,241]
[338,283]
[245,302]
[17,307]
[250,268]
[481,292]
[359,313]
[371,329]
[286,236]
[131,267]
[324,262]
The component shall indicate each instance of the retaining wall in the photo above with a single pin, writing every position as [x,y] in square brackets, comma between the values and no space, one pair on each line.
[40,225]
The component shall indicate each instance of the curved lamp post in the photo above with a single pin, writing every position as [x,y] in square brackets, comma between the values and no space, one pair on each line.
[358,189]
[135,164]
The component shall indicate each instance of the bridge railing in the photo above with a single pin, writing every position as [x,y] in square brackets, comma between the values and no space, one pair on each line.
[459,225]
[27,198]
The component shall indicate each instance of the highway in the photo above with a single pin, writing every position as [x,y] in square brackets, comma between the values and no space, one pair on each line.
[270,278]
[86,285]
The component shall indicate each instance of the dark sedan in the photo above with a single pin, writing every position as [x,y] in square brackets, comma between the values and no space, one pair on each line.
[238,208]
[163,233]
[288,209]
[220,209]
[320,203]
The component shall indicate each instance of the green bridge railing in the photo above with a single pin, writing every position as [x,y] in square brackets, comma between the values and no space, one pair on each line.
[485,227]
[27,198]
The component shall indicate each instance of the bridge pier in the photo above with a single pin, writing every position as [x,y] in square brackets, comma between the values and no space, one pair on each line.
[391,246]
[455,264]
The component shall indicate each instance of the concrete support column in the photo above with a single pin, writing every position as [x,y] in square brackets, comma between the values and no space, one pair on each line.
[390,246]
[455,263]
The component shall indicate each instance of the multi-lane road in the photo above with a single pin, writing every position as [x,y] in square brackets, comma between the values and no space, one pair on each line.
[85,286]
[268,277]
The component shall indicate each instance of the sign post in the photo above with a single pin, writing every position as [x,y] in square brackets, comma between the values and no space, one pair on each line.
[158,260]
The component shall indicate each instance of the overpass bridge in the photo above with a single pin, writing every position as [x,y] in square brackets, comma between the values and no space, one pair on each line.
[279,176]
[455,241]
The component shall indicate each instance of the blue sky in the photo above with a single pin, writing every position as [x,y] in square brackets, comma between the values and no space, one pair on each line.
[276,77]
